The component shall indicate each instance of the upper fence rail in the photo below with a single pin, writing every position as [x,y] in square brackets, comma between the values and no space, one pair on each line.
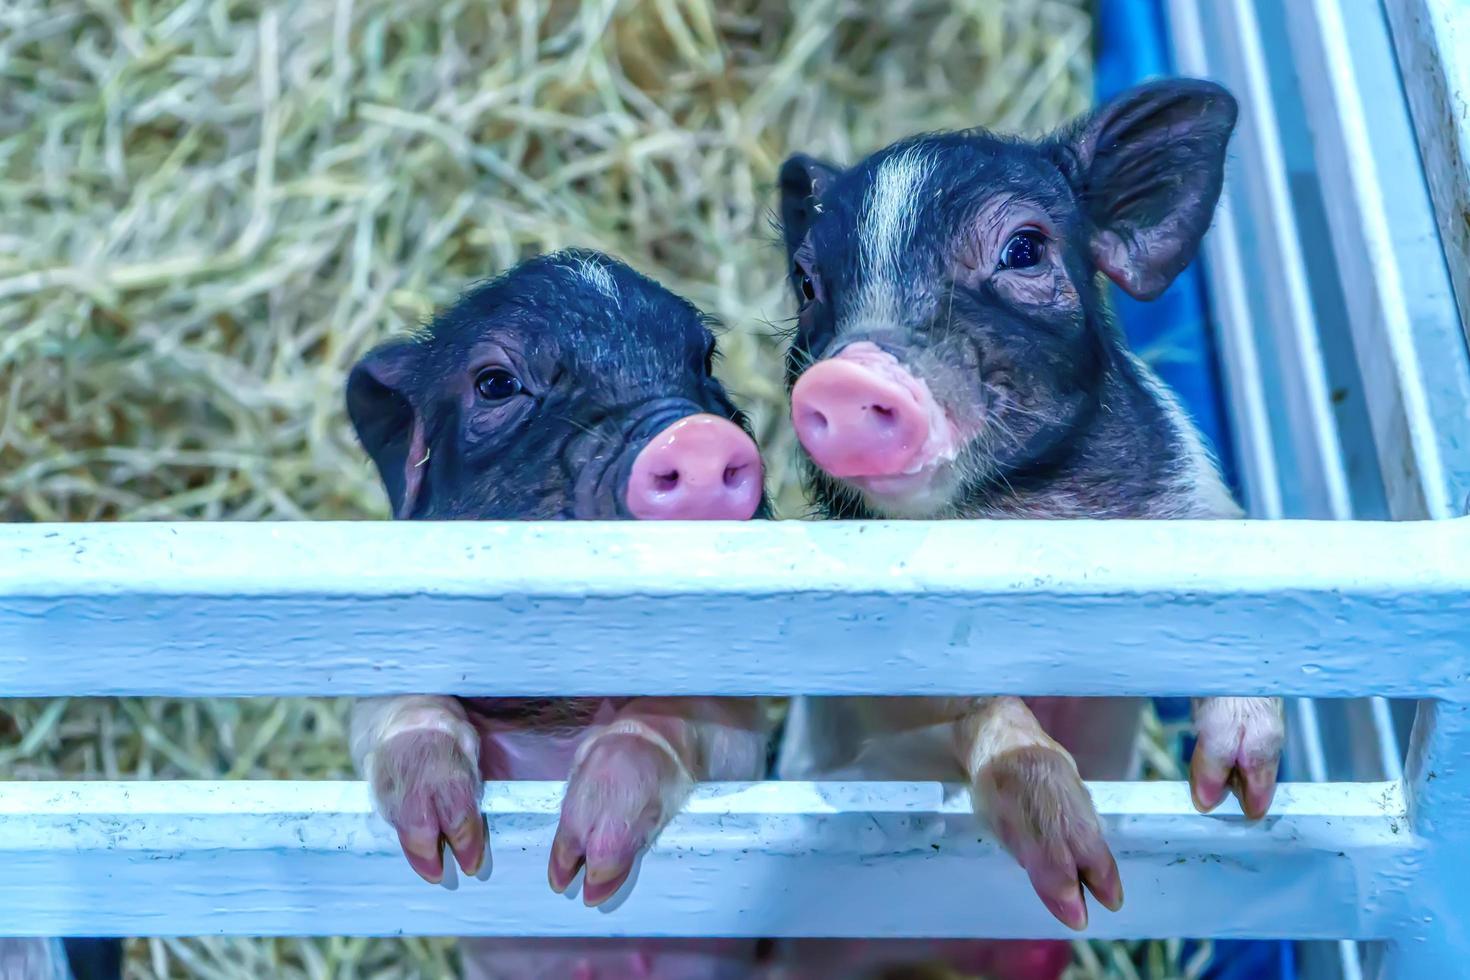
[1117,608]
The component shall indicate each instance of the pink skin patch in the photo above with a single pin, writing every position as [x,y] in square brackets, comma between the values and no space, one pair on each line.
[701,468]
[1040,960]
[819,959]
[608,959]
[865,419]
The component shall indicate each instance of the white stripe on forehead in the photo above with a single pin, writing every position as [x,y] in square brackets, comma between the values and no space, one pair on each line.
[595,274]
[890,213]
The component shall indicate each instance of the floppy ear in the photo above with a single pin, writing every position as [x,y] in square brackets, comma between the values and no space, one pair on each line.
[803,181]
[389,425]
[1148,167]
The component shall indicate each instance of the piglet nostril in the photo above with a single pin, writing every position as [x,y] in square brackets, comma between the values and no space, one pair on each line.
[735,476]
[664,482]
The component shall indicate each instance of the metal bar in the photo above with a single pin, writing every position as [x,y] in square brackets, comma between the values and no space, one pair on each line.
[1433,41]
[1400,303]
[1437,792]
[1278,273]
[1240,357]
[1338,88]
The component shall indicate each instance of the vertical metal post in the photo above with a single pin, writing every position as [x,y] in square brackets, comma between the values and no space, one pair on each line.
[1435,940]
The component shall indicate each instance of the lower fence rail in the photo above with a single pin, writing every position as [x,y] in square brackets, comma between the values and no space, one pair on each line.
[1333,860]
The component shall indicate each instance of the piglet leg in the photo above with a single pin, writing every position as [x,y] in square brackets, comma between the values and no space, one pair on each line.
[631,776]
[1027,786]
[420,755]
[1238,750]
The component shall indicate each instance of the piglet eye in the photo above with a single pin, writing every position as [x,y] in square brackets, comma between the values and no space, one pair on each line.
[808,288]
[497,384]
[1024,250]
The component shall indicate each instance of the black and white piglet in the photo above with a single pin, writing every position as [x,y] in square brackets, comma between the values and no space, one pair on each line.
[954,358]
[569,388]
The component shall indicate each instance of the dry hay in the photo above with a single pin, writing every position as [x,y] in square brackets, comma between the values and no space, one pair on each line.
[212,207]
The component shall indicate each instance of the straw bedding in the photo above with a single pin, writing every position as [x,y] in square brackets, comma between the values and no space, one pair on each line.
[211,207]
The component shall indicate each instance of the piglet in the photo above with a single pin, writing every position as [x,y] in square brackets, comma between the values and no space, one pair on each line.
[570,388]
[954,358]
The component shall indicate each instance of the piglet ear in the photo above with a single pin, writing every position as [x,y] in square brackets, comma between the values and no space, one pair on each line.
[803,181]
[1148,167]
[389,425]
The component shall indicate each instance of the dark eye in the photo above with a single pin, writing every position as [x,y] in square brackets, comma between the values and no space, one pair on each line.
[497,384]
[1024,250]
[808,288]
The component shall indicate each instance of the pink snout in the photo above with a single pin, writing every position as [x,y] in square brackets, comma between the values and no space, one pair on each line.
[861,414]
[701,468]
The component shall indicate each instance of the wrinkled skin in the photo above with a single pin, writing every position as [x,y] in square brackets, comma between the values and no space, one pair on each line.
[569,388]
[953,357]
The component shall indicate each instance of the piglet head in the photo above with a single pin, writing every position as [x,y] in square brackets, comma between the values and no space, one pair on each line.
[570,387]
[952,328]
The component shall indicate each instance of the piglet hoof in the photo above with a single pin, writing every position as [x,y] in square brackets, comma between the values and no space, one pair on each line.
[616,801]
[1041,810]
[1239,750]
[429,789]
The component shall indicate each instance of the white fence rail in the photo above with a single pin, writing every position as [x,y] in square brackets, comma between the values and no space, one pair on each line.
[875,859]
[1349,381]
[1317,609]
[1107,608]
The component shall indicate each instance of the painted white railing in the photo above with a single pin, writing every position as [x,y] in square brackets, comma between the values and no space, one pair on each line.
[767,859]
[1317,609]
[1332,611]
[1008,607]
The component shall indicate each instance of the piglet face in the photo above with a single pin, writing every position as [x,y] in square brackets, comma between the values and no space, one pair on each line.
[569,388]
[951,328]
